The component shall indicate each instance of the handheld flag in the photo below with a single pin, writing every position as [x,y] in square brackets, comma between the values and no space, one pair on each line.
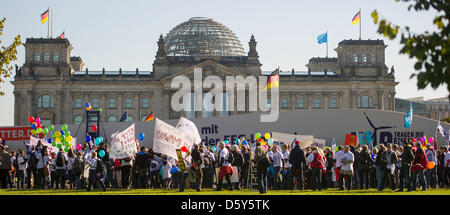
[351,139]
[333,145]
[273,82]
[365,138]
[356,18]
[44,17]
[124,117]
[443,133]
[322,38]
[409,116]
[149,117]
[61,36]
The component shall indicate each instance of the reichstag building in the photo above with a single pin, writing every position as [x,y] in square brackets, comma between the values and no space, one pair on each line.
[54,86]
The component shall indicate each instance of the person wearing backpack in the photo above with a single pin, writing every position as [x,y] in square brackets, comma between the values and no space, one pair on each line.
[31,169]
[316,161]
[60,169]
[78,168]
[196,169]
[5,166]
[238,160]
[21,167]
[96,172]
[70,160]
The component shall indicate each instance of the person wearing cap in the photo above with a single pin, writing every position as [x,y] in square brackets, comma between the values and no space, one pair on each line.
[298,161]
[431,174]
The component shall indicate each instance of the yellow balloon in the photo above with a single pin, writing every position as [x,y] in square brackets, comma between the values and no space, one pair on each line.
[58,140]
[58,134]
[69,139]
[89,108]
[267,136]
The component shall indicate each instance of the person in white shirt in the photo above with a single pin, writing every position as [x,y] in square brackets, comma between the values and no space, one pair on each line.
[447,164]
[95,174]
[338,156]
[60,169]
[70,160]
[20,172]
[125,170]
[225,167]
[166,175]
[278,161]
[288,177]
[42,162]
[347,168]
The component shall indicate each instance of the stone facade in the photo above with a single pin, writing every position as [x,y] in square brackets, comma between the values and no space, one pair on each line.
[53,86]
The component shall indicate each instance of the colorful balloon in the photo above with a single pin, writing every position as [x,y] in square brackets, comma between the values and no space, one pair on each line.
[58,140]
[49,140]
[184,149]
[88,138]
[141,136]
[69,139]
[257,135]
[244,142]
[430,140]
[31,119]
[59,146]
[66,149]
[101,153]
[53,144]
[79,147]
[267,136]
[94,127]
[45,130]
[38,130]
[270,141]
[89,108]
[100,110]
[431,165]
[38,120]
[87,104]
[51,127]
[34,126]
[213,148]
[64,127]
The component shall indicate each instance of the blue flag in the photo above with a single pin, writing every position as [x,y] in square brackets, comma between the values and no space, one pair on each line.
[365,138]
[409,116]
[124,117]
[322,38]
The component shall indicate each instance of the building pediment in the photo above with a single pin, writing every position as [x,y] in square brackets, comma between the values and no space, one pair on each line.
[209,68]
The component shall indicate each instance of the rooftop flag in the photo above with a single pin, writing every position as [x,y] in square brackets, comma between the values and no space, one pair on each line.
[61,36]
[273,82]
[356,18]
[409,116]
[149,117]
[44,17]
[323,38]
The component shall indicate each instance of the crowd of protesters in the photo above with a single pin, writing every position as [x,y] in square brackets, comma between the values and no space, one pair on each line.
[276,167]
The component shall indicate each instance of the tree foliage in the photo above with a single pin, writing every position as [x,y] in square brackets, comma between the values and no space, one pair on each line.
[430,49]
[7,55]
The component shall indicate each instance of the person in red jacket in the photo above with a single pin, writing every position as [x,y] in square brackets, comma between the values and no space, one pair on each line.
[316,160]
[418,168]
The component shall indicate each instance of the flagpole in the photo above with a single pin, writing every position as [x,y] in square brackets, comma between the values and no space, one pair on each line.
[327,44]
[48,24]
[360,20]
[51,25]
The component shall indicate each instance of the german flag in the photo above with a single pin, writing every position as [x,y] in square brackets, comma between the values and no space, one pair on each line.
[149,117]
[274,81]
[44,17]
[356,18]
[61,36]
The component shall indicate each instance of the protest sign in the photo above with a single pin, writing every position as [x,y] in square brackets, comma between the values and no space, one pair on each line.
[350,139]
[181,161]
[305,140]
[365,138]
[235,176]
[319,143]
[189,127]
[167,139]
[123,144]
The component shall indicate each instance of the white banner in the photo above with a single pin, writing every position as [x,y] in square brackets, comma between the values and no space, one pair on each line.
[50,148]
[305,140]
[123,144]
[319,143]
[167,139]
[189,127]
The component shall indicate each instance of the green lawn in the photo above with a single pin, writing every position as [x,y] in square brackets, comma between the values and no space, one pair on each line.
[213,192]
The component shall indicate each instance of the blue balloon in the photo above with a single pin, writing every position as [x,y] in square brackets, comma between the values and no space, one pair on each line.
[88,138]
[244,142]
[101,153]
[213,148]
[87,104]
[141,136]
[226,141]
[62,132]
[270,141]
[49,140]
[33,126]
[174,170]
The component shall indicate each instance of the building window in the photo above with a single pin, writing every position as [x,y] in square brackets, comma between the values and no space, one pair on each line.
[129,119]
[128,103]
[208,109]
[269,103]
[225,102]
[46,57]
[364,58]
[78,103]
[284,103]
[190,108]
[355,58]
[365,102]
[373,58]
[112,119]
[301,103]
[333,103]
[112,103]
[45,101]
[317,103]
[37,57]
[55,57]
[95,103]
[78,120]
[145,103]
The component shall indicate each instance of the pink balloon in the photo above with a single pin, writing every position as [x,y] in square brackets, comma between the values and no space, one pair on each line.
[430,140]
[79,147]
[38,120]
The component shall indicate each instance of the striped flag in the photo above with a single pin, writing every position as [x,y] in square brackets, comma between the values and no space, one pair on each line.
[61,36]
[149,117]
[443,133]
[356,18]
[273,82]
[44,17]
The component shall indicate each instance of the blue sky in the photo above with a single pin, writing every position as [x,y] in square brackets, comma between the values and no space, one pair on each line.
[123,34]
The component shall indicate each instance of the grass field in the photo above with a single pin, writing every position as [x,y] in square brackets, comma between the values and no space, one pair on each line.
[213,192]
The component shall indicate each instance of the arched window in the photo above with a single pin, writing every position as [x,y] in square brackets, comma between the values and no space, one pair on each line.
[129,119]
[45,101]
[78,120]
[112,119]
[365,102]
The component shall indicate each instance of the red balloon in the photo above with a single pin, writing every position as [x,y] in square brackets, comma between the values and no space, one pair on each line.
[184,149]
[94,127]
[31,119]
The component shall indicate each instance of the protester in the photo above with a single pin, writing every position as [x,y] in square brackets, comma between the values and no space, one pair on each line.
[166,174]
[125,169]
[197,173]
[78,169]
[347,168]
[142,165]
[262,162]
[246,166]
[431,173]
[237,162]
[225,167]
[338,156]
[96,172]
[388,160]
[380,166]
[418,167]
[298,160]
[447,166]
[316,162]
[61,166]
[277,165]
[22,166]
[365,162]
[5,166]
[407,158]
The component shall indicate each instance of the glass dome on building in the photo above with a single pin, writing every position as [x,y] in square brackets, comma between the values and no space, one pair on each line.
[202,36]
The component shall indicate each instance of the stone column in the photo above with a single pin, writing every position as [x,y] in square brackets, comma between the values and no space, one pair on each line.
[392,108]
[17,106]
[292,98]
[59,107]
[166,103]
[380,100]
[138,100]
[325,99]
[103,105]
[309,100]
[353,104]
[30,103]
[157,107]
